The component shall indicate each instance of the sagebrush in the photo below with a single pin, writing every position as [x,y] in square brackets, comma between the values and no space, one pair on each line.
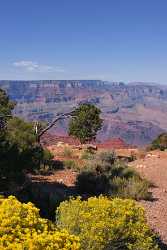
[21,227]
[102,223]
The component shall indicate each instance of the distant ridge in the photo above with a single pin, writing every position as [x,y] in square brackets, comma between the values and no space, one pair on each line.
[135,112]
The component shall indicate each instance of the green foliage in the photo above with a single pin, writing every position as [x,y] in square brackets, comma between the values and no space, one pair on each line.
[134,188]
[85,123]
[91,183]
[21,133]
[106,175]
[71,164]
[19,150]
[160,142]
[42,160]
[47,156]
[102,223]
[107,157]
[67,152]
[105,161]
[100,162]
[6,106]
[18,147]
[87,155]
[21,227]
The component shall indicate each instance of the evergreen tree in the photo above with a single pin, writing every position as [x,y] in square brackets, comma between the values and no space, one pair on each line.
[85,123]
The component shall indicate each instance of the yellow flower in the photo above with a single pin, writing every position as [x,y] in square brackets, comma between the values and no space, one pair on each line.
[22,228]
[102,222]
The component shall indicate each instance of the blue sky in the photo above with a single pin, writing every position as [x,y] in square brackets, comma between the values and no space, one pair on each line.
[120,40]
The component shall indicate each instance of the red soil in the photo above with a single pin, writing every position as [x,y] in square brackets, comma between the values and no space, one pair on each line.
[113,143]
[49,139]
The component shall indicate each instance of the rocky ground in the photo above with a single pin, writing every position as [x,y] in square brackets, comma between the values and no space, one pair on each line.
[154,168]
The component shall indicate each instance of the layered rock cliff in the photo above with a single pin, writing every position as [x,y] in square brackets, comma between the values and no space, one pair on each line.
[135,112]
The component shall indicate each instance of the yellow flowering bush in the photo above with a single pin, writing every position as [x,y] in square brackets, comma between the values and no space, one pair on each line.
[22,228]
[102,223]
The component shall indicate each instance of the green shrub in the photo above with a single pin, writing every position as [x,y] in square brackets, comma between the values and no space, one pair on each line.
[159,143]
[119,169]
[87,155]
[91,183]
[102,223]
[107,157]
[125,182]
[116,180]
[134,188]
[100,163]
[67,152]
[46,161]
[70,164]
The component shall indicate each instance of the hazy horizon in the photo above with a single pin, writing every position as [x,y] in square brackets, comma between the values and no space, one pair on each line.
[108,82]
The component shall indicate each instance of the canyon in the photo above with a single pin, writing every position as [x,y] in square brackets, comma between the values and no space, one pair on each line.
[134,112]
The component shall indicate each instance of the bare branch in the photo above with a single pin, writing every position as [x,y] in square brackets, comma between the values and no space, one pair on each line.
[3,116]
[60,117]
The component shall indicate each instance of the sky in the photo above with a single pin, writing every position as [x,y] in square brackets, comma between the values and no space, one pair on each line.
[115,40]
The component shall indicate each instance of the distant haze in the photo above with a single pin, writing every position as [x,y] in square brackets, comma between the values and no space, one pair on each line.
[134,112]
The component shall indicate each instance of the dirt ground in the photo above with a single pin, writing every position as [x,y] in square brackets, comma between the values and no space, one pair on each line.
[66,177]
[154,168]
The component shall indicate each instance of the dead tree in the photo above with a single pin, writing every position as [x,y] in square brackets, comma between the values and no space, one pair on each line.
[58,118]
[36,127]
